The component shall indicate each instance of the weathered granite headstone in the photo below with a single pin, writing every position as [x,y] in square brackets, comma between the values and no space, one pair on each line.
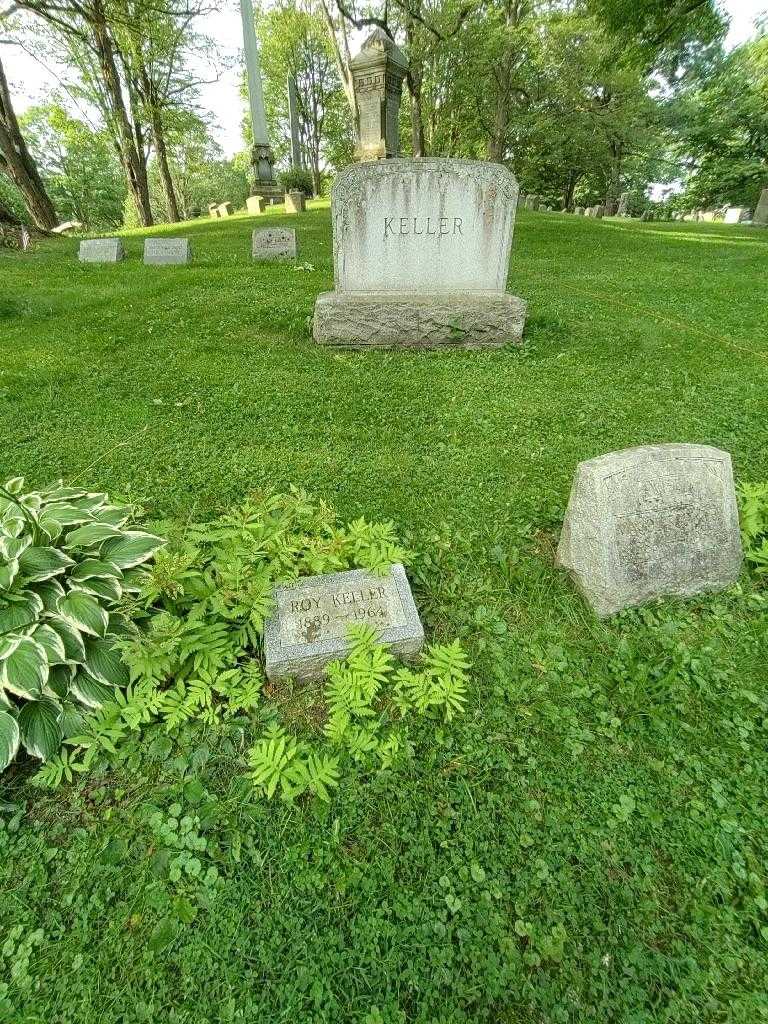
[579,211]
[736,214]
[599,212]
[273,244]
[378,71]
[101,250]
[650,522]
[421,256]
[224,209]
[761,212]
[255,204]
[310,624]
[611,207]
[623,209]
[295,202]
[167,251]
[213,209]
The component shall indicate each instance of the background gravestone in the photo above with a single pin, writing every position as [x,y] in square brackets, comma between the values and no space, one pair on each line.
[651,522]
[224,209]
[761,212]
[295,202]
[378,71]
[421,256]
[167,251]
[213,209]
[270,244]
[310,623]
[101,250]
[255,204]
[735,214]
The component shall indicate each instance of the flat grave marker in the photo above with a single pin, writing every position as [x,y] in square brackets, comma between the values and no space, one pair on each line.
[312,615]
[167,251]
[101,250]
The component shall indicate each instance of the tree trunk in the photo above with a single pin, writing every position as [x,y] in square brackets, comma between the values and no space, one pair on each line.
[415,78]
[134,162]
[515,11]
[570,188]
[158,135]
[17,163]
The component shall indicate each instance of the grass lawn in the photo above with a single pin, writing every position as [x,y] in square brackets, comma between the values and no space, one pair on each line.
[588,842]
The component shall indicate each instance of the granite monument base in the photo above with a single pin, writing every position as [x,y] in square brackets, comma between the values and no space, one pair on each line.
[384,320]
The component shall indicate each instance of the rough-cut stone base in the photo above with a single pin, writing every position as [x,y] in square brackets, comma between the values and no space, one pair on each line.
[381,320]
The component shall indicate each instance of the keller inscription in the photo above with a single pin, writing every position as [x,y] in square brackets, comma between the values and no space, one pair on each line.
[310,624]
[649,522]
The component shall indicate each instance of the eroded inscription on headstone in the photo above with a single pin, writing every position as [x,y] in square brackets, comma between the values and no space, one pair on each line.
[310,623]
[650,522]
[274,244]
[167,251]
[101,250]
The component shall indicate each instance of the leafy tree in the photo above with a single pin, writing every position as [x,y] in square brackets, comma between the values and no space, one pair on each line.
[78,164]
[295,45]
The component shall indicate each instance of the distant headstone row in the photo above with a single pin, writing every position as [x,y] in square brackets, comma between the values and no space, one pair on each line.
[645,523]
[267,244]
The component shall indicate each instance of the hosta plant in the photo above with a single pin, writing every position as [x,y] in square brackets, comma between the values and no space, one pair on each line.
[67,557]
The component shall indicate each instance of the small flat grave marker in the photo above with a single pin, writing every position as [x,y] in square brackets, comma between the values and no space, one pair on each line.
[167,251]
[274,244]
[309,626]
[101,250]
[651,522]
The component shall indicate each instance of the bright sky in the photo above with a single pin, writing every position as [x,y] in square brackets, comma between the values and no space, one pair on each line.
[31,83]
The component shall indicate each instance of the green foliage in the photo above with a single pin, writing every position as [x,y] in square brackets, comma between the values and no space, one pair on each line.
[297,179]
[753,500]
[365,700]
[67,560]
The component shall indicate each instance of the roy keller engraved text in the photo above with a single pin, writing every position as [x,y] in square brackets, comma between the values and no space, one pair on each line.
[437,226]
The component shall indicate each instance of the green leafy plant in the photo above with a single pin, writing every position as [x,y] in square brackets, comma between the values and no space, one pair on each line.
[68,557]
[296,179]
[366,697]
[753,502]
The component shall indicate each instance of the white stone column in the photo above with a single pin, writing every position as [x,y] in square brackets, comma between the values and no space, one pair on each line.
[262,156]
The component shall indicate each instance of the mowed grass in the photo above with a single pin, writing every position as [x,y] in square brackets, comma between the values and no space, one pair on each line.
[588,842]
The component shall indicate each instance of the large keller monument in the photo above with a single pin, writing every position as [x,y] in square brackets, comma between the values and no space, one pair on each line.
[262,157]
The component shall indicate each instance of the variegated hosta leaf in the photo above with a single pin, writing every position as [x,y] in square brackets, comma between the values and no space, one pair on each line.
[114,515]
[89,691]
[12,547]
[8,574]
[132,549]
[84,612]
[89,535]
[59,679]
[40,563]
[9,738]
[25,671]
[95,568]
[19,610]
[104,663]
[72,720]
[55,518]
[39,723]
[58,492]
[52,643]
[49,593]
[8,644]
[105,589]
[15,485]
[70,635]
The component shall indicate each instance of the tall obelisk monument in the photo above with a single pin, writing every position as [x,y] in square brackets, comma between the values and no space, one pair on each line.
[262,157]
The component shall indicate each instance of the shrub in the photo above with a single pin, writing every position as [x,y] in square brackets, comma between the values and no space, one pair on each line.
[297,179]
[753,501]
[67,558]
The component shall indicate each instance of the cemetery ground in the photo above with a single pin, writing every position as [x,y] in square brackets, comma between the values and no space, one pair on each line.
[587,841]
